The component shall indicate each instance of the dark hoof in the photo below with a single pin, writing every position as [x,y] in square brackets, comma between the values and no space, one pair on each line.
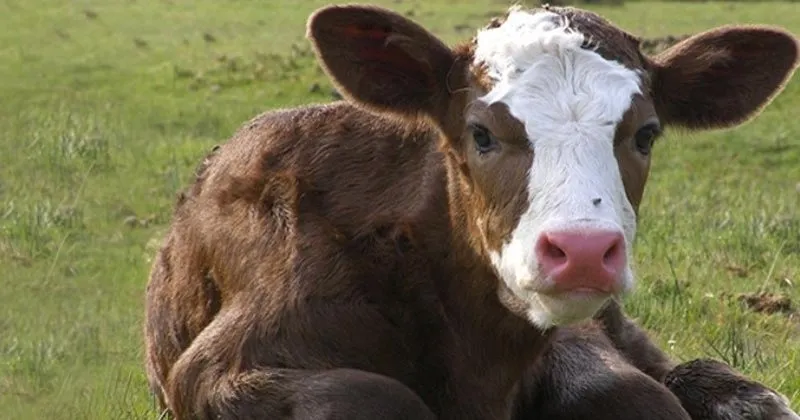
[711,390]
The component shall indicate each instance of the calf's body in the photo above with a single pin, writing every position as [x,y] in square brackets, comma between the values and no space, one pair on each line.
[412,252]
[344,257]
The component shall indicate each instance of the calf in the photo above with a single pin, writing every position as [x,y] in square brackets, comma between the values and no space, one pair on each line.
[412,251]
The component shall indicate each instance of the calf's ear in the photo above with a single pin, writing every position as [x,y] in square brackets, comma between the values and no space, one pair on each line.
[384,61]
[723,77]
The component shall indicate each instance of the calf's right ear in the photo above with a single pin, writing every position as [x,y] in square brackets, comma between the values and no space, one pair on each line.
[383,61]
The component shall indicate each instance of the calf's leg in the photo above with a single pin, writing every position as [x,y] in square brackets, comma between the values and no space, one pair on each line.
[343,394]
[582,376]
[707,389]
[211,380]
[710,390]
[339,394]
[633,343]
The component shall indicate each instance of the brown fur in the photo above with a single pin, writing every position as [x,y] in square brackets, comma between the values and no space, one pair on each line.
[583,376]
[330,261]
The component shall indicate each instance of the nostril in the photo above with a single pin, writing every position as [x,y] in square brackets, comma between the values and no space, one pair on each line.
[550,254]
[614,256]
[552,251]
[611,254]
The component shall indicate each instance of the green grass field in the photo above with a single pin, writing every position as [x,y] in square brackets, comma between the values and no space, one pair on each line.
[107,106]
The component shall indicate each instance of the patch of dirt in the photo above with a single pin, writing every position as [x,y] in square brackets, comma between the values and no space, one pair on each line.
[136,222]
[767,303]
[738,270]
[462,27]
[604,2]
[230,71]
[7,250]
[656,45]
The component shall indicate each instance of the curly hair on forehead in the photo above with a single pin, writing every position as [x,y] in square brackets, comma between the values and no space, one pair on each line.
[601,35]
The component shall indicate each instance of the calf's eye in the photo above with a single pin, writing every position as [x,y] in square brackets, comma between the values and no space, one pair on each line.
[645,137]
[484,141]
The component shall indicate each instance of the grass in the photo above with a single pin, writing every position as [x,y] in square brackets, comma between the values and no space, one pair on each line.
[108,105]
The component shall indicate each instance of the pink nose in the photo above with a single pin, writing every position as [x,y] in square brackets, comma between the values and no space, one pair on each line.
[577,261]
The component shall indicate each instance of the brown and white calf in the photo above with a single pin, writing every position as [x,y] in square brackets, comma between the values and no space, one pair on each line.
[413,251]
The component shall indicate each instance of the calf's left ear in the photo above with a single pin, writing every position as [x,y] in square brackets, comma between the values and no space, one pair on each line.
[723,77]
[382,60]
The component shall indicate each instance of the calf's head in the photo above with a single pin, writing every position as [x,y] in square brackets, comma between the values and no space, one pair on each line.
[548,118]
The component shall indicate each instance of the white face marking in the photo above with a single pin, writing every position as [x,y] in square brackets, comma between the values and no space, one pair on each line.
[570,100]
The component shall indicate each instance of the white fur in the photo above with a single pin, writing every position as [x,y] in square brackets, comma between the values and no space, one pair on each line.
[570,100]
[764,405]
